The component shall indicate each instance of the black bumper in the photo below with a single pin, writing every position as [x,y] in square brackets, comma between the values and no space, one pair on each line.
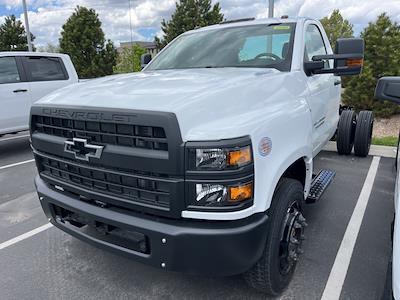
[200,247]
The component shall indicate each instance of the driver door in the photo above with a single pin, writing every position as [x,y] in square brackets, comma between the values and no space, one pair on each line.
[322,98]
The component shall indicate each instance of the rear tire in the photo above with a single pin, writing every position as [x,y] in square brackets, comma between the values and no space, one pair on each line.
[346,132]
[274,270]
[362,141]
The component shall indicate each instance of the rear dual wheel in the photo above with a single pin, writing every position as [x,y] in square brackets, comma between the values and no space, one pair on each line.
[355,131]
[346,132]
[363,136]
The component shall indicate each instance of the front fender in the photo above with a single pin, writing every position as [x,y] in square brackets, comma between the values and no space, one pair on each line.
[288,128]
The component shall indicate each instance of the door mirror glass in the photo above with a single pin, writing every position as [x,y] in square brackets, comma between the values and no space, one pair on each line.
[145,59]
[388,88]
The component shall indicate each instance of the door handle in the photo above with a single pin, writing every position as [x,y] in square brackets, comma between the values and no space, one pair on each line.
[337,82]
[20,91]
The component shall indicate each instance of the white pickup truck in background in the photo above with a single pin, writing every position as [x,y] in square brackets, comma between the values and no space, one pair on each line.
[25,77]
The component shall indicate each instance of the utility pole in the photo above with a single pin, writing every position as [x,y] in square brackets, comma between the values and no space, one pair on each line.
[271,9]
[28,32]
[130,22]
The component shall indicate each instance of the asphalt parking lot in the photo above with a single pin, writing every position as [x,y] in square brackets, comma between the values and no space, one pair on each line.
[54,265]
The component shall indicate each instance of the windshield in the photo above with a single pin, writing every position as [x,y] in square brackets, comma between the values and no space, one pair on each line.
[255,46]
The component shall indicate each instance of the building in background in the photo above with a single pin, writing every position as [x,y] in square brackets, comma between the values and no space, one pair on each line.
[149,46]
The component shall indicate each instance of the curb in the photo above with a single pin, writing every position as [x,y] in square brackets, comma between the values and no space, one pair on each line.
[384,151]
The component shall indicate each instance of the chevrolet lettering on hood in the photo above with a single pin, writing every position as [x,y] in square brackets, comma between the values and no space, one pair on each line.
[94,116]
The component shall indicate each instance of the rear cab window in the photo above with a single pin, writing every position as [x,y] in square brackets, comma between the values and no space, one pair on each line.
[9,70]
[40,68]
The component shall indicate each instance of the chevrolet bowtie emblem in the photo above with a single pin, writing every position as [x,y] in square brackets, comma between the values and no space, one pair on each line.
[82,150]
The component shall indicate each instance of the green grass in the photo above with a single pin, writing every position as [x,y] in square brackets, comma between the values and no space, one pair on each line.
[385,141]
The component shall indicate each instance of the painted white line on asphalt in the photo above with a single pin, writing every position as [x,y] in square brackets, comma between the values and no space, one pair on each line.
[25,236]
[338,273]
[17,164]
[14,138]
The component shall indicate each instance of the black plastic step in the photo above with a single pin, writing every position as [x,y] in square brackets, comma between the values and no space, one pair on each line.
[319,185]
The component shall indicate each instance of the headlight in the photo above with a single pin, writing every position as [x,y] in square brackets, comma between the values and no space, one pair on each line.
[222,158]
[219,175]
[214,195]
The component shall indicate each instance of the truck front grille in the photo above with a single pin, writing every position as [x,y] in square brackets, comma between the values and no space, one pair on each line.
[140,167]
[124,189]
[148,137]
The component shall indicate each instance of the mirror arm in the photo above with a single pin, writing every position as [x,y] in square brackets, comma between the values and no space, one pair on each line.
[330,71]
[338,56]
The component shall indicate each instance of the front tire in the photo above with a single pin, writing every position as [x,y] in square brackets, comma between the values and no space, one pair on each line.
[274,270]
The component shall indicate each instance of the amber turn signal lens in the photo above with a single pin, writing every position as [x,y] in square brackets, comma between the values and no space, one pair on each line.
[354,62]
[239,157]
[241,192]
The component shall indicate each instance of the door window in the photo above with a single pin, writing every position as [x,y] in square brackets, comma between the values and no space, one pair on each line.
[314,44]
[8,70]
[44,68]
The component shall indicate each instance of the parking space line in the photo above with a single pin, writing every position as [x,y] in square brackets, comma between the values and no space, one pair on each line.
[16,164]
[25,236]
[14,138]
[338,272]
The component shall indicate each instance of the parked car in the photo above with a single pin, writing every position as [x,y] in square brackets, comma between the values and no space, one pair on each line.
[202,162]
[25,77]
[388,88]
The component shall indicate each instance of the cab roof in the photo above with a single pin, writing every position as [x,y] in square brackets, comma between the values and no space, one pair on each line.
[27,53]
[249,22]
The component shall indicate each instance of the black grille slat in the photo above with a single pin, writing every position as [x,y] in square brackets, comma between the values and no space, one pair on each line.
[137,189]
[127,135]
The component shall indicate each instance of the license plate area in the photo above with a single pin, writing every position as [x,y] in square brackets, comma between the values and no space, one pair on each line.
[101,231]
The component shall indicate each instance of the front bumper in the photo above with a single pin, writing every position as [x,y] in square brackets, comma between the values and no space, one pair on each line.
[200,247]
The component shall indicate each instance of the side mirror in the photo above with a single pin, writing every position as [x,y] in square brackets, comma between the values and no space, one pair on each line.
[312,67]
[348,58]
[145,59]
[352,52]
[388,88]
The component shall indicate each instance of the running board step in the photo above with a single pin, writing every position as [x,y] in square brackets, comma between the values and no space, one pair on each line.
[319,185]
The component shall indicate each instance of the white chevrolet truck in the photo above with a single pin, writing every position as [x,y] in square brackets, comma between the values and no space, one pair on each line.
[202,162]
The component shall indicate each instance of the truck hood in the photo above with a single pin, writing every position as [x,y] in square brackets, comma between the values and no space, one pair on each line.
[205,101]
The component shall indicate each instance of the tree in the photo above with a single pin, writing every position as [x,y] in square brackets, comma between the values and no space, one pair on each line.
[83,40]
[13,36]
[382,58]
[336,27]
[129,59]
[188,15]
[50,48]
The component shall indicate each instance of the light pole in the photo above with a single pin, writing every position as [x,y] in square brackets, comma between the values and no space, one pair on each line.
[28,32]
[271,9]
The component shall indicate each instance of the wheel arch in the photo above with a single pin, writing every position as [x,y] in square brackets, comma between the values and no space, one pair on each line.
[299,167]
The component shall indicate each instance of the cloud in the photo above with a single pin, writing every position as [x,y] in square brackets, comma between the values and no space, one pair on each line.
[47,16]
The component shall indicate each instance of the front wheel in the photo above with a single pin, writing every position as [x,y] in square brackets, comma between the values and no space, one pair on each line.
[274,270]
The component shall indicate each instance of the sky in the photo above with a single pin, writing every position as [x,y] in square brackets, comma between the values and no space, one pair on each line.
[47,16]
